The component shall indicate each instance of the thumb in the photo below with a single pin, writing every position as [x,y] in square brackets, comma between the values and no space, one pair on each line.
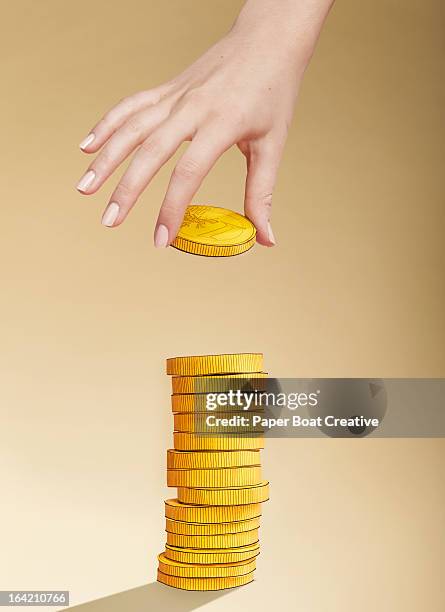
[263,160]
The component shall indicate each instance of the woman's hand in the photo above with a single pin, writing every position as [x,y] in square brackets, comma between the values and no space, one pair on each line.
[241,91]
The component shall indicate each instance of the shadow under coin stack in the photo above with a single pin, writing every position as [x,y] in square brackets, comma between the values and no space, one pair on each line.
[212,526]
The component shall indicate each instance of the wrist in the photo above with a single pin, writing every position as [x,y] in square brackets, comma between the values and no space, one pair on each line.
[291,25]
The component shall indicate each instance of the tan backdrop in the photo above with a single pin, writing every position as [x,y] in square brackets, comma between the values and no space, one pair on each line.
[355,288]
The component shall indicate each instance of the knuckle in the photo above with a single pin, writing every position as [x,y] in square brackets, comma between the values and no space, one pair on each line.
[170,209]
[103,124]
[134,125]
[232,111]
[195,96]
[266,200]
[124,190]
[188,168]
[126,104]
[258,201]
[237,114]
[109,117]
[102,161]
[152,146]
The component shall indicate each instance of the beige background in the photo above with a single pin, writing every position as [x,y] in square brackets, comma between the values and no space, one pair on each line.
[355,288]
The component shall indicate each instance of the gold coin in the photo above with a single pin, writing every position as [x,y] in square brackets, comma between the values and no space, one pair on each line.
[207,556]
[218,422]
[216,477]
[204,584]
[198,403]
[204,442]
[195,460]
[210,528]
[215,364]
[214,232]
[177,511]
[225,540]
[224,496]
[218,383]
[221,570]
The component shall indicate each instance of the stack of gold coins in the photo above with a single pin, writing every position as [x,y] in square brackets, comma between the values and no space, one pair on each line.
[212,525]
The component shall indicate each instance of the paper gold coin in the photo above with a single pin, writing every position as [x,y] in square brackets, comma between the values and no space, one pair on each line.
[236,363]
[204,584]
[211,528]
[209,555]
[219,422]
[220,570]
[196,460]
[225,496]
[217,383]
[214,232]
[204,442]
[216,477]
[225,540]
[178,511]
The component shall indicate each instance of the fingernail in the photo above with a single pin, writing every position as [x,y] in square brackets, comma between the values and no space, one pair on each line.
[161,237]
[86,180]
[270,234]
[111,214]
[87,141]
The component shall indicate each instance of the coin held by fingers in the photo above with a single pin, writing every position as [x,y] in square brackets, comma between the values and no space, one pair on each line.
[212,231]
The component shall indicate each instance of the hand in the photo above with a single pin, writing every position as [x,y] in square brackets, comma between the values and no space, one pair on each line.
[241,91]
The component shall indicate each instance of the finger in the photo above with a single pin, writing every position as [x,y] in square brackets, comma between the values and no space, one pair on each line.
[262,166]
[152,154]
[117,115]
[202,154]
[132,133]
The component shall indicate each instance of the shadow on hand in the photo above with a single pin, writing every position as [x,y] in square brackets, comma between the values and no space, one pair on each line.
[153,596]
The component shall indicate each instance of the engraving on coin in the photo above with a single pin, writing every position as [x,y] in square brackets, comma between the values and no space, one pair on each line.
[214,232]
[214,225]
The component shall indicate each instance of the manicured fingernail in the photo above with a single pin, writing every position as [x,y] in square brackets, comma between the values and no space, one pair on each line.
[161,237]
[111,214]
[86,180]
[87,141]
[270,234]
